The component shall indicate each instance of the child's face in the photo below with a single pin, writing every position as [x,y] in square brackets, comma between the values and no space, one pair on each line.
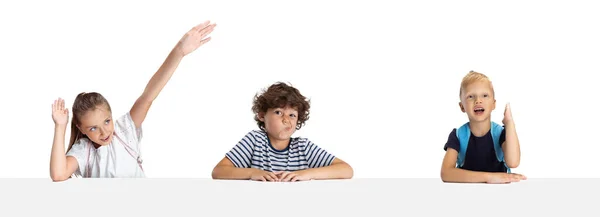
[97,125]
[280,123]
[477,101]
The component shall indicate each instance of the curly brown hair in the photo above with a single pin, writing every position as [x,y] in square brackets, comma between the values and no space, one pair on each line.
[280,95]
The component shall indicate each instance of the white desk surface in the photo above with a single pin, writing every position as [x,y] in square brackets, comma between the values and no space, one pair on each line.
[365,197]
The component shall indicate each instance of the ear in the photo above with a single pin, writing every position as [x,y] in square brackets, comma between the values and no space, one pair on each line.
[261,116]
[494,105]
[462,108]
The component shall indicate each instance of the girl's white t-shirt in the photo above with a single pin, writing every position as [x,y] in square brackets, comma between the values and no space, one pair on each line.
[119,159]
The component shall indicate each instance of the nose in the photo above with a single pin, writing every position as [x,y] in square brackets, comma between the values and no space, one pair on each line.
[478,99]
[286,120]
[103,131]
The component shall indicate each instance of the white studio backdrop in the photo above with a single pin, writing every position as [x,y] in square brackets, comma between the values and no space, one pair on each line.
[383,77]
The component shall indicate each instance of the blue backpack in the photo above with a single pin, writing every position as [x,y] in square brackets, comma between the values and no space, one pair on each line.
[464,132]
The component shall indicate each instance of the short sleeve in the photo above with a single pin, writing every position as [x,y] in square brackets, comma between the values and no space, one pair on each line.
[126,130]
[452,142]
[316,156]
[79,151]
[241,154]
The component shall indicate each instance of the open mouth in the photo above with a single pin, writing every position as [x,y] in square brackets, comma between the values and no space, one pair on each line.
[479,111]
[105,139]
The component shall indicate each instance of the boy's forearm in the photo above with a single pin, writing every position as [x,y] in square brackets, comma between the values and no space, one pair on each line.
[512,151]
[334,171]
[229,172]
[58,159]
[463,176]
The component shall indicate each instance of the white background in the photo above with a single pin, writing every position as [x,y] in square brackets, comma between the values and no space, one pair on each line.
[383,77]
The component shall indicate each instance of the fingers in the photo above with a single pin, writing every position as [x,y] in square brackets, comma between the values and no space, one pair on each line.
[207,30]
[58,105]
[288,176]
[268,177]
[518,176]
[271,177]
[200,26]
[512,177]
[203,29]
[204,41]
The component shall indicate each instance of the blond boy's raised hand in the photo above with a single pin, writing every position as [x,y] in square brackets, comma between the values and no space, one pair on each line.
[507,115]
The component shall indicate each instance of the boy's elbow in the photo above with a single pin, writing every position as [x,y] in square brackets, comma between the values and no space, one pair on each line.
[444,174]
[218,172]
[215,173]
[350,172]
[512,164]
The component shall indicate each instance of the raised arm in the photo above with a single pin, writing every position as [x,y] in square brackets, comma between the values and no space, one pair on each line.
[511,146]
[61,166]
[188,43]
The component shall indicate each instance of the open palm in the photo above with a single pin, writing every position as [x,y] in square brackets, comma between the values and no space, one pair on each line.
[195,38]
[60,115]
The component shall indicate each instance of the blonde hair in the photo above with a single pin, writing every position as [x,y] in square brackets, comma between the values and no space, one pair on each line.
[473,77]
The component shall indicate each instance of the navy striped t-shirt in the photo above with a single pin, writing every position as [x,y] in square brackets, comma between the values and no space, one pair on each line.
[255,151]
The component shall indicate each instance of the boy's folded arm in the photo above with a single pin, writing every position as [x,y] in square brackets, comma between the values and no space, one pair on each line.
[450,173]
[338,169]
[226,170]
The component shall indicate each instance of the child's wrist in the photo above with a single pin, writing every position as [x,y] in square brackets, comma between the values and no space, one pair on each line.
[306,173]
[178,51]
[508,122]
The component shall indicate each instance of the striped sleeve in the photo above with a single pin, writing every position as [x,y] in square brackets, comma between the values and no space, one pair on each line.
[317,157]
[241,154]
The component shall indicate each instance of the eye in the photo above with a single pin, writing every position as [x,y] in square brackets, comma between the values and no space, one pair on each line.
[293,115]
[485,95]
[107,121]
[277,112]
[470,96]
[93,129]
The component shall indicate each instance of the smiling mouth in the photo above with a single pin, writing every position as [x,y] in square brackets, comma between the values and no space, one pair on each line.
[105,139]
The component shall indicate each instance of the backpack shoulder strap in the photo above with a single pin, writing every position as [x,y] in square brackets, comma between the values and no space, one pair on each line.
[463,134]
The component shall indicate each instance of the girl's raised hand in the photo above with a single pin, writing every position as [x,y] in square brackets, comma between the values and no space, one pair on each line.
[60,114]
[195,38]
